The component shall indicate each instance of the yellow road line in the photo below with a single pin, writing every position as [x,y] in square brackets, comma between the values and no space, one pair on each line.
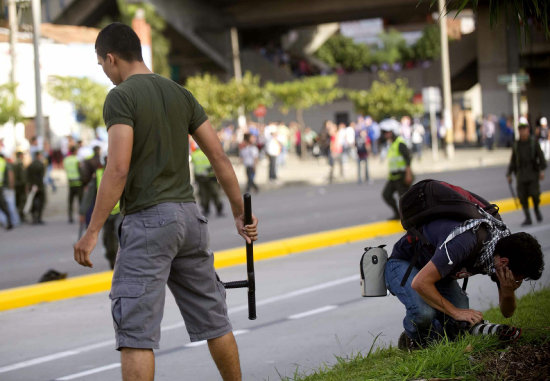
[100,282]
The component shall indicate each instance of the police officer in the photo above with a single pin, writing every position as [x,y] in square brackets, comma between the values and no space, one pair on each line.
[400,175]
[528,164]
[20,179]
[35,177]
[206,181]
[72,168]
[110,228]
[4,180]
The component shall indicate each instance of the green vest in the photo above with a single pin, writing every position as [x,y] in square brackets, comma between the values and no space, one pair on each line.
[397,163]
[98,176]
[201,165]
[70,163]
[3,165]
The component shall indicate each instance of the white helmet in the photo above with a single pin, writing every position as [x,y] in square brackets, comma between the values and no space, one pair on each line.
[390,125]
[543,121]
[523,121]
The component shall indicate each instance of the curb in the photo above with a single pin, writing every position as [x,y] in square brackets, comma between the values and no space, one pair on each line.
[100,282]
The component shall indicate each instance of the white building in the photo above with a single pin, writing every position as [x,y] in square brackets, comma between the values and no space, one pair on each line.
[65,50]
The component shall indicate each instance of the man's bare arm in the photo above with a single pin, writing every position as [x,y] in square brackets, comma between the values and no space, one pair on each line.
[424,283]
[206,138]
[121,138]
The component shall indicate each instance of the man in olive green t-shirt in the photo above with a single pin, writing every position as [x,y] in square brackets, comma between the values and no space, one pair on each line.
[149,118]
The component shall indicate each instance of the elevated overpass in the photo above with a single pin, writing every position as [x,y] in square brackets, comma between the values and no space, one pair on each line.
[199,32]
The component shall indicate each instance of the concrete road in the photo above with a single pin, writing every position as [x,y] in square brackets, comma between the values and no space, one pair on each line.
[29,251]
[309,311]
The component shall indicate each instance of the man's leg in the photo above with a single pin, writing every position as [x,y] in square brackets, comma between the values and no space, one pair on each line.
[4,208]
[72,196]
[534,192]
[20,198]
[137,364]
[419,317]
[387,195]
[225,353]
[524,201]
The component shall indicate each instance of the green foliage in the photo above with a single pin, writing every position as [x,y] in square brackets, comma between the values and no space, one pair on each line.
[221,101]
[531,312]
[10,105]
[304,93]
[342,51]
[428,47]
[248,93]
[160,44]
[394,48]
[86,95]
[460,359]
[385,99]
[212,95]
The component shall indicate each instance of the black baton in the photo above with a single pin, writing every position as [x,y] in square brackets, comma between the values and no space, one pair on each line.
[251,282]
[513,195]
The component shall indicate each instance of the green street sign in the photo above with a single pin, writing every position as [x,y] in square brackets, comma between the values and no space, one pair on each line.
[509,78]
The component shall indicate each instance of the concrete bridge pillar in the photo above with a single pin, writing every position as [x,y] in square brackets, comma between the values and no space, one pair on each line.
[498,54]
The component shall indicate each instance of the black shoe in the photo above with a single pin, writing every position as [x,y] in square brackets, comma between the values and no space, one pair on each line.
[405,343]
[9,227]
[527,223]
[538,214]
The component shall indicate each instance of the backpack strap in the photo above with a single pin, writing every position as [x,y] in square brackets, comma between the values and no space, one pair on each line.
[481,236]
[415,233]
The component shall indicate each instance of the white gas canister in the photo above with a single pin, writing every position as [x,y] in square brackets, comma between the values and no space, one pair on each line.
[372,266]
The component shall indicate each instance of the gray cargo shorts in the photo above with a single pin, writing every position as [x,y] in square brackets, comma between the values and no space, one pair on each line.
[165,244]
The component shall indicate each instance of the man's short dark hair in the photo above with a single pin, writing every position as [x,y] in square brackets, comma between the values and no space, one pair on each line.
[524,254]
[119,39]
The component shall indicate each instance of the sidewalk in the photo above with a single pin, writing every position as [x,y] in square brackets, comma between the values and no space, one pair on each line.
[315,171]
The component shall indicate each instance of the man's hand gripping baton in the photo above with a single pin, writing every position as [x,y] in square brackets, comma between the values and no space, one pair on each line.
[251,282]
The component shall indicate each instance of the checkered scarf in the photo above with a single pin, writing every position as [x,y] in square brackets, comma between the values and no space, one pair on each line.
[496,230]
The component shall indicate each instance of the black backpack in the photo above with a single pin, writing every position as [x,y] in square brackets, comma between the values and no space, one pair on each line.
[430,199]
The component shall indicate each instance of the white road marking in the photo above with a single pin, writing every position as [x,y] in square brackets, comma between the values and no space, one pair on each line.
[311,312]
[38,360]
[86,348]
[89,372]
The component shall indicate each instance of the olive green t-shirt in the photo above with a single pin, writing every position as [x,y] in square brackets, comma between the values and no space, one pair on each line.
[162,114]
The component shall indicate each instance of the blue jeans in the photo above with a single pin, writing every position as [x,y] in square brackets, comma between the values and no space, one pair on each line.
[423,322]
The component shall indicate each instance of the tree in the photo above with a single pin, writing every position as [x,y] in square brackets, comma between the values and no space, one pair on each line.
[385,99]
[221,101]
[342,51]
[86,95]
[160,44]
[212,95]
[428,47]
[394,48]
[305,93]
[248,93]
[10,105]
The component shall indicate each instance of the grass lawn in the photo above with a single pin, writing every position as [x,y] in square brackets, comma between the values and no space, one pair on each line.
[469,358]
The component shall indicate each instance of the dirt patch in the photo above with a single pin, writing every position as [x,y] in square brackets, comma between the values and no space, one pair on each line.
[518,362]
